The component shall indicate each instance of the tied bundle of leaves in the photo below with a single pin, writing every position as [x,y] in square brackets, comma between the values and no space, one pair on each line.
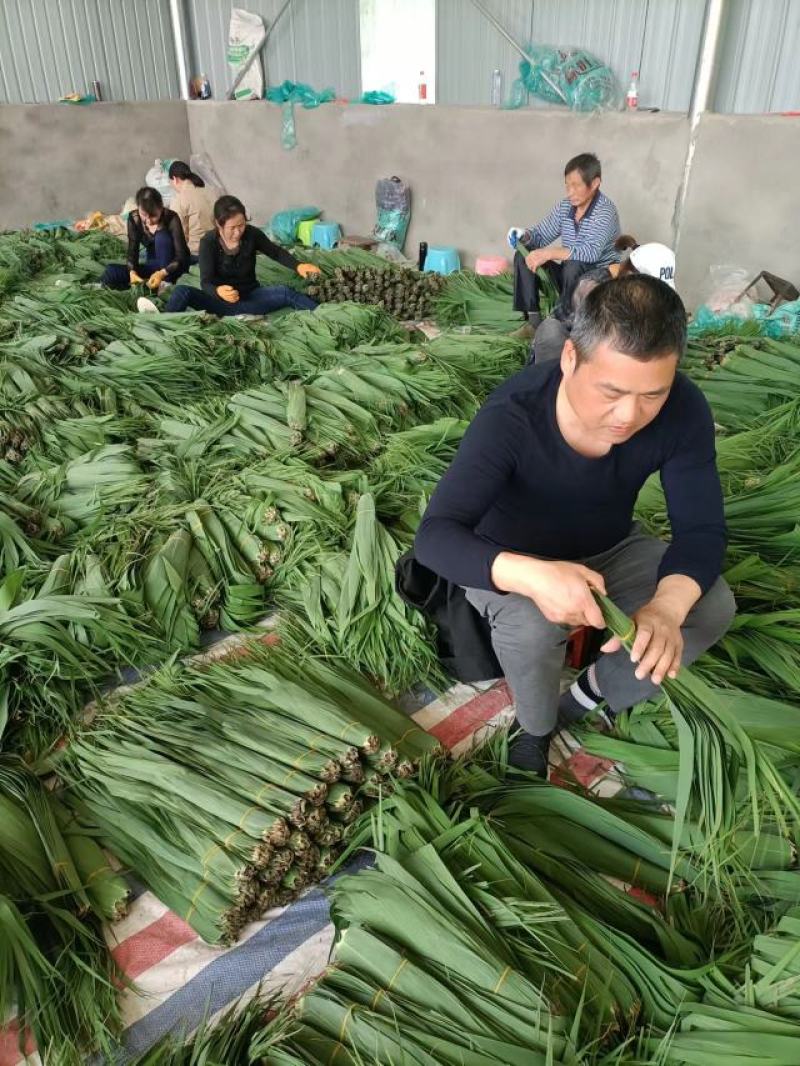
[80,490]
[55,651]
[413,982]
[714,750]
[750,380]
[56,972]
[486,302]
[229,788]
[408,468]
[345,604]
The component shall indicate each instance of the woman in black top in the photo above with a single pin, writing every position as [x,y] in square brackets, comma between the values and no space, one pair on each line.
[160,231]
[228,270]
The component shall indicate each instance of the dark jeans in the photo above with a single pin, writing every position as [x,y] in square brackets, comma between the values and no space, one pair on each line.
[258,302]
[526,285]
[117,275]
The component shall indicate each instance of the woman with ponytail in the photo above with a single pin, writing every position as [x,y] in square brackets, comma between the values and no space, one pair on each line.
[193,203]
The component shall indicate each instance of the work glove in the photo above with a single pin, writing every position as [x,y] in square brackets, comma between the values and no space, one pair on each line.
[134,278]
[514,235]
[228,294]
[306,269]
[155,279]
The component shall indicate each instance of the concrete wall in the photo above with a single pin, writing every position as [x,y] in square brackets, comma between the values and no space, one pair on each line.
[473,171]
[61,161]
[742,200]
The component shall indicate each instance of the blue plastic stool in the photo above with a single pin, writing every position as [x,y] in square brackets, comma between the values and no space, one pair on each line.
[326,234]
[442,260]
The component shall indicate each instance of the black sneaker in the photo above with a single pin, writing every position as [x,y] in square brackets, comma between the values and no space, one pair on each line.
[527,752]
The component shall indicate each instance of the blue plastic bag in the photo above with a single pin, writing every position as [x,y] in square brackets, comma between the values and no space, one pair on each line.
[571,77]
[283,225]
[297,92]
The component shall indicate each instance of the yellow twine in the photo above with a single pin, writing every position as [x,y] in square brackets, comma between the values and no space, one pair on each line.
[345,1020]
[377,997]
[503,976]
[193,901]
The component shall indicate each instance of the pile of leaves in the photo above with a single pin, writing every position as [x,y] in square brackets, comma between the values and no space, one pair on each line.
[404,293]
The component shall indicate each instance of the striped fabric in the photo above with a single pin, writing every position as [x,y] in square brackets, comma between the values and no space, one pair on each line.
[591,240]
[179,980]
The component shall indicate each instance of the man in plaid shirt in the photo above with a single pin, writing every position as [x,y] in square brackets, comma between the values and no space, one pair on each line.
[587,225]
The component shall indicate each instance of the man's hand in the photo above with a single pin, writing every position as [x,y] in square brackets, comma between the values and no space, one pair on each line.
[134,278]
[155,279]
[228,294]
[562,591]
[537,258]
[658,644]
[307,269]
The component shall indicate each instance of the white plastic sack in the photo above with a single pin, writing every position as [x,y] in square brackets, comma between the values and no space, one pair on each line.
[246,30]
[157,177]
[201,165]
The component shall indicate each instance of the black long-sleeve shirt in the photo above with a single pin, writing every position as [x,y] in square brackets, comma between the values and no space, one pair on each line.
[139,236]
[516,485]
[238,269]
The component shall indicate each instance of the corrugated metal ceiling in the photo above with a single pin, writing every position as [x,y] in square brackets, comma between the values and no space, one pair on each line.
[50,47]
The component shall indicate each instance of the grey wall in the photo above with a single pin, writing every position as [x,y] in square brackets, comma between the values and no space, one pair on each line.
[741,206]
[474,171]
[59,161]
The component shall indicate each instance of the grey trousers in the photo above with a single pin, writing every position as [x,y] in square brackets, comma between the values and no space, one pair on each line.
[549,340]
[531,649]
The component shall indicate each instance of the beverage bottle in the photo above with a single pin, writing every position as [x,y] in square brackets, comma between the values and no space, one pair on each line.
[497,88]
[632,96]
[423,88]
[423,254]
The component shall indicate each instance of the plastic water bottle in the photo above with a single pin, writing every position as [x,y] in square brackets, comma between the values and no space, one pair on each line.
[497,88]
[632,96]
[423,88]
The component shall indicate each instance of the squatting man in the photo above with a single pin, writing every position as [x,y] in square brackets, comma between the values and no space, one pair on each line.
[536,512]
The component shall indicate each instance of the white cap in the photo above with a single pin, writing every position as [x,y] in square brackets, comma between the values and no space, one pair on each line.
[656,260]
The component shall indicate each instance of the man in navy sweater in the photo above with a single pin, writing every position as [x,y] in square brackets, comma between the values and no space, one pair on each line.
[536,511]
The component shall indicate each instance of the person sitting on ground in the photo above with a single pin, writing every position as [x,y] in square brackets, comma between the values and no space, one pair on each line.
[654,259]
[193,203]
[535,513]
[158,229]
[587,225]
[228,270]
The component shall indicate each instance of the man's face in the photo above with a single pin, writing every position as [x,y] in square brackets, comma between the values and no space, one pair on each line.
[614,395]
[578,192]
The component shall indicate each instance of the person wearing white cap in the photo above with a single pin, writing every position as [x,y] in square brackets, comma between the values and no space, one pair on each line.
[653,259]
